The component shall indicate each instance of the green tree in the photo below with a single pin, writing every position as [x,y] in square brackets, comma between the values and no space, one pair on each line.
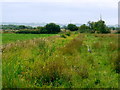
[52,28]
[22,27]
[72,27]
[15,27]
[112,28]
[101,27]
[92,26]
[84,28]
[98,26]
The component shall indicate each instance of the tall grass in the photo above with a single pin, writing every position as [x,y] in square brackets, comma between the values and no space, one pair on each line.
[20,58]
[57,62]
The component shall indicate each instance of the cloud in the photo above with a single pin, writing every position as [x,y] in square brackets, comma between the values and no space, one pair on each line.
[102,3]
[36,0]
[76,10]
[66,1]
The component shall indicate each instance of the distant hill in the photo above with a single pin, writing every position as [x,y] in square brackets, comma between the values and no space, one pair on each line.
[34,24]
[43,24]
[26,24]
[113,25]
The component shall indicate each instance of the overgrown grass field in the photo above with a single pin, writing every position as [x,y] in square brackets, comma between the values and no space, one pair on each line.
[61,62]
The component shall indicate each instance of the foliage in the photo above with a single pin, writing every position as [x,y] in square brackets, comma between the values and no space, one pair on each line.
[42,30]
[72,27]
[68,33]
[27,31]
[84,29]
[118,28]
[63,35]
[112,28]
[15,27]
[52,28]
[118,31]
[99,27]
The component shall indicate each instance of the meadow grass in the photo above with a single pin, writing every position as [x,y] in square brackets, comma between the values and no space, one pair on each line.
[12,37]
[58,62]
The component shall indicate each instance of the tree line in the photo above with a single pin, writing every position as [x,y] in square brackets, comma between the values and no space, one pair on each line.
[15,27]
[52,28]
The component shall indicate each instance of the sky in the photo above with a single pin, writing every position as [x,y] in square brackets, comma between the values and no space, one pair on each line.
[59,11]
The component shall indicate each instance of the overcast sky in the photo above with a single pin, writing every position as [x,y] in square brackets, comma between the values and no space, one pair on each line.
[59,11]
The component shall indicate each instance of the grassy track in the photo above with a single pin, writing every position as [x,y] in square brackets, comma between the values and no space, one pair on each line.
[8,38]
[62,62]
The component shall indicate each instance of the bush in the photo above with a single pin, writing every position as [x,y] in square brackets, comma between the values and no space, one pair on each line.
[52,28]
[27,31]
[99,27]
[76,32]
[15,27]
[118,31]
[63,35]
[84,29]
[68,33]
[72,27]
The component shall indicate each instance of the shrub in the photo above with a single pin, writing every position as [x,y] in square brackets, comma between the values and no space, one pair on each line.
[52,28]
[27,31]
[63,35]
[84,29]
[68,33]
[76,32]
[72,27]
[42,30]
[118,31]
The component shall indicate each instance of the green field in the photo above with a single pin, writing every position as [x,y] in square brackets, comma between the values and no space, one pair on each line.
[57,62]
[8,38]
